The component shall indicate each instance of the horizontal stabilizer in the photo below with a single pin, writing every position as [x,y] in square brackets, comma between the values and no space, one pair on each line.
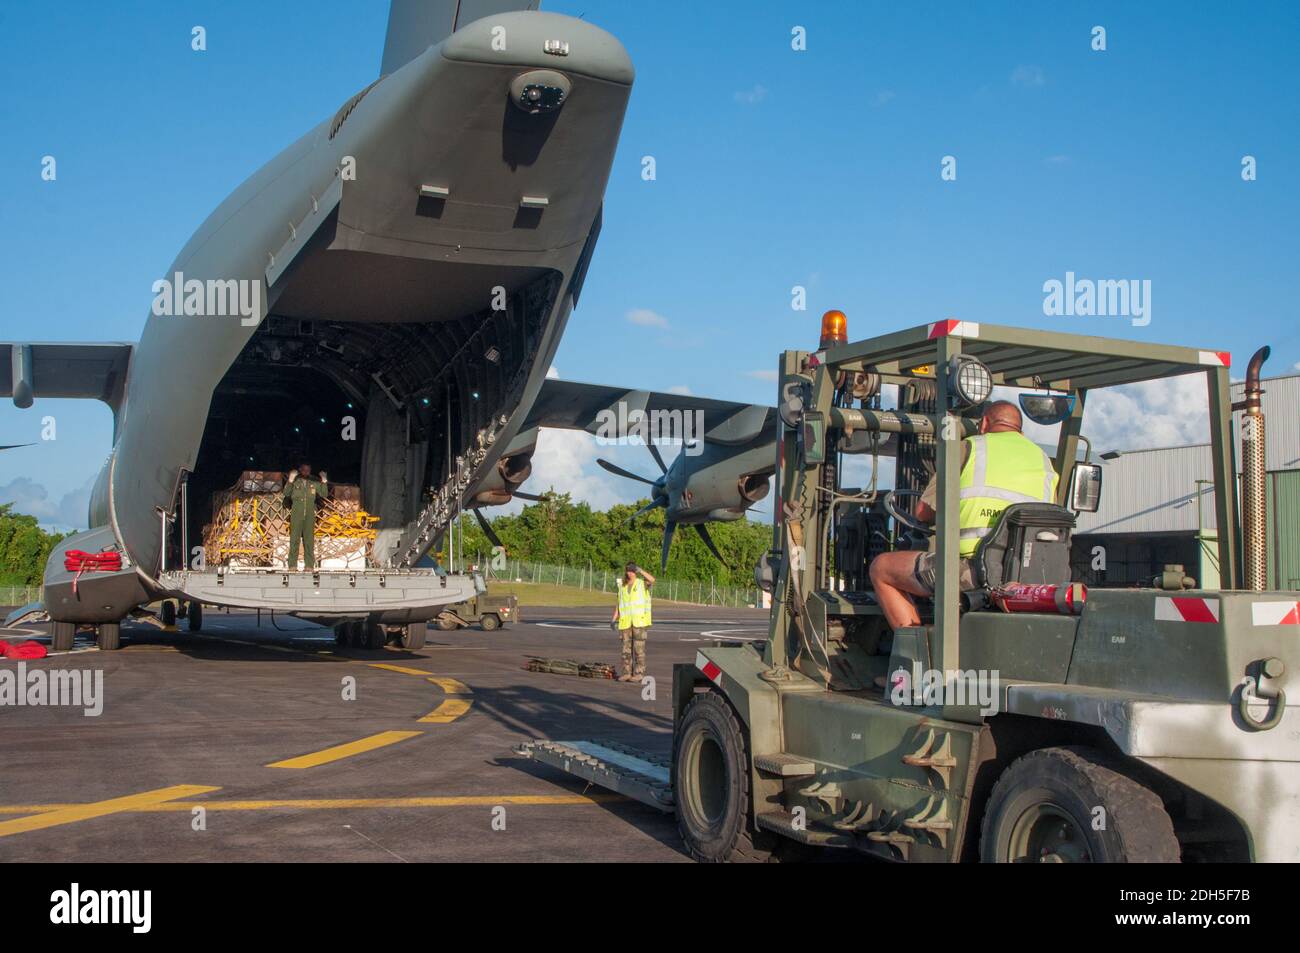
[416,25]
[96,371]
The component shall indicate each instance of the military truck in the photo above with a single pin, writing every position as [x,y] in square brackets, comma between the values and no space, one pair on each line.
[489,610]
[1135,724]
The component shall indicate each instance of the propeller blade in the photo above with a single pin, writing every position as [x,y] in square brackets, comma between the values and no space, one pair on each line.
[488,531]
[669,526]
[652,505]
[708,541]
[654,452]
[619,471]
[532,497]
[15,446]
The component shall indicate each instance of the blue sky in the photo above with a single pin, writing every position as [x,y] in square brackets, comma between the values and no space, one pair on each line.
[775,168]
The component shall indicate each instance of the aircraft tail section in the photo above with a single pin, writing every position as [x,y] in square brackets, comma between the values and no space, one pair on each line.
[416,25]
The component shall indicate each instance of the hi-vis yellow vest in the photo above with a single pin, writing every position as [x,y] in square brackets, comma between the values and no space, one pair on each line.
[633,605]
[1003,468]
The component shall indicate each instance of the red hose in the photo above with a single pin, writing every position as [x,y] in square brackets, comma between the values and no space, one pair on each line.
[79,561]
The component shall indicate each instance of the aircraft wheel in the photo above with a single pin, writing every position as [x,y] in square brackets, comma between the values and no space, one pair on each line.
[109,637]
[194,616]
[1045,806]
[413,635]
[373,635]
[490,623]
[62,636]
[711,785]
[167,612]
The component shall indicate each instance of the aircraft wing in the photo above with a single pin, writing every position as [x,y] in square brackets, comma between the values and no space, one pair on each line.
[571,405]
[63,370]
[416,25]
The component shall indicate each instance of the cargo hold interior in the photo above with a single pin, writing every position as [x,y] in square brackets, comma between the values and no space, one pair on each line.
[386,402]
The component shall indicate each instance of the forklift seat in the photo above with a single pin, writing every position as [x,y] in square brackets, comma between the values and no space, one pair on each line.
[1029,543]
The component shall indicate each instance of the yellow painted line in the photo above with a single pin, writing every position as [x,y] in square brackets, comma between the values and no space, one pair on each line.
[452,707]
[398,668]
[450,685]
[70,813]
[360,746]
[447,712]
[328,804]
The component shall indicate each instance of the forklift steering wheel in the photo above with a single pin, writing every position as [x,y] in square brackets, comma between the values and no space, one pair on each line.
[906,519]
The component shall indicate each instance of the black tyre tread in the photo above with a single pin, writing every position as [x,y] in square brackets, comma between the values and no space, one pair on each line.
[109,636]
[1134,811]
[414,636]
[62,636]
[745,850]
[194,617]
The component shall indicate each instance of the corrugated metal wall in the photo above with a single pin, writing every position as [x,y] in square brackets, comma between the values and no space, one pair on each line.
[1281,420]
[1284,529]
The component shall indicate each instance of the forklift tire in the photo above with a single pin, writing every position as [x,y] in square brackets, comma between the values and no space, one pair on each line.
[413,635]
[372,636]
[490,623]
[446,625]
[109,637]
[711,785]
[194,616]
[1046,805]
[62,636]
[167,612]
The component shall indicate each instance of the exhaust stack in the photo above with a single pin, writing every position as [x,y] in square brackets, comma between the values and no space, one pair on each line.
[1253,468]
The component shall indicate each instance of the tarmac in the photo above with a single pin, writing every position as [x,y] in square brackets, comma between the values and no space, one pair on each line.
[266,742]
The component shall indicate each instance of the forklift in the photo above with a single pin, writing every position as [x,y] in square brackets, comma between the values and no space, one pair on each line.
[1025,719]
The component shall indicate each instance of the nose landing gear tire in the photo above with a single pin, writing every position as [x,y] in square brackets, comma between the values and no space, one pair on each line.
[194,617]
[167,613]
[1045,809]
[711,785]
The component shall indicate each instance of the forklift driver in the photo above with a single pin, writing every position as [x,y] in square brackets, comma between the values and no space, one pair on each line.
[1005,467]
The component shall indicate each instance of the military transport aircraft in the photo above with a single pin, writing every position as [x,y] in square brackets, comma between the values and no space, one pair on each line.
[408,264]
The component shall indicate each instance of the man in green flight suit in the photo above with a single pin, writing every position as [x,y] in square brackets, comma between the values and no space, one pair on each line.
[300,495]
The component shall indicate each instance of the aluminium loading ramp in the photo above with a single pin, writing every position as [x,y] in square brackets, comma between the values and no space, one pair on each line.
[631,772]
[323,591]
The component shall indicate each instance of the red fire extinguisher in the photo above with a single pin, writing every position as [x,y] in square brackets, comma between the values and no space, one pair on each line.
[1063,600]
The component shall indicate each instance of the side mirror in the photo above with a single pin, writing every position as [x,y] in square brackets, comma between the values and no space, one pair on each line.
[1085,488]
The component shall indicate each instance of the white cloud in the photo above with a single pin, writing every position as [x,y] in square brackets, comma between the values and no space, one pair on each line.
[1164,413]
[680,389]
[552,373]
[33,499]
[767,374]
[647,318]
[1028,76]
[1058,160]
[751,96]
[884,96]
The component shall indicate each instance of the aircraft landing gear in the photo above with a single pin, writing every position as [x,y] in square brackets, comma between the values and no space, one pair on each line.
[167,613]
[63,634]
[109,636]
[194,616]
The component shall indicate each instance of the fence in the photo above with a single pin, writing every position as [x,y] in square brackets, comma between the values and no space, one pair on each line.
[600,580]
[19,595]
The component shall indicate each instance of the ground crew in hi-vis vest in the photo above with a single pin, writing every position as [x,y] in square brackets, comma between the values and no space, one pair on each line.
[632,619]
[300,495]
[1000,466]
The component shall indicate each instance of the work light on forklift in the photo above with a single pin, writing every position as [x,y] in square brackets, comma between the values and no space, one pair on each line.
[969,381]
[835,329]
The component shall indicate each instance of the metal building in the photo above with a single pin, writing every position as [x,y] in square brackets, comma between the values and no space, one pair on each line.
[1157,506]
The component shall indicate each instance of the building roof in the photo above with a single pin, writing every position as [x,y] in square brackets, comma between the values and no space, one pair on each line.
[1155,491]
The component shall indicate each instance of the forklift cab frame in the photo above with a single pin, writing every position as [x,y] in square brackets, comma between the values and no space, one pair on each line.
[817,419]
